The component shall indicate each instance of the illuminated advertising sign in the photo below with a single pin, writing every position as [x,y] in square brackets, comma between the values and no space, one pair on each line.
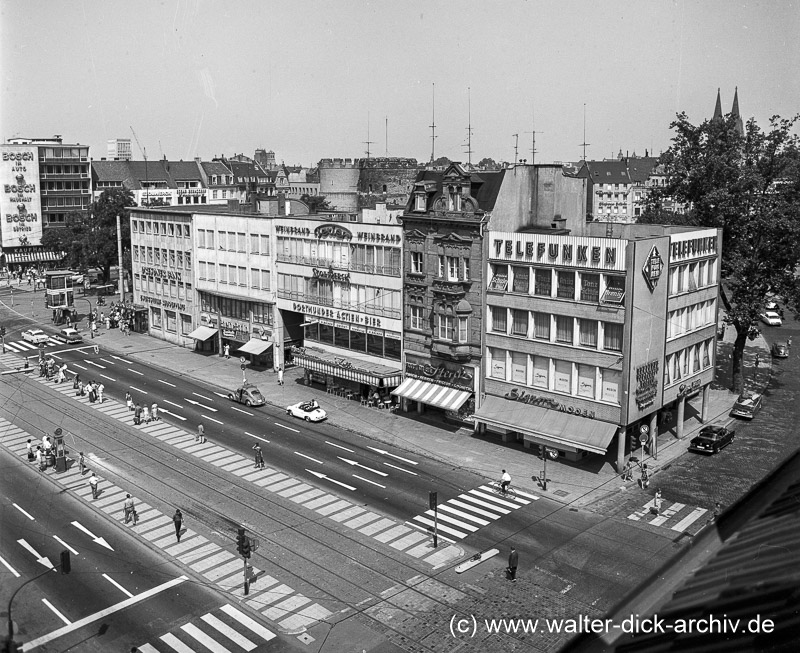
[21,203]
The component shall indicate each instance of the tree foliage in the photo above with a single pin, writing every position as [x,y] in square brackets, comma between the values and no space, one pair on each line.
[488,163]
[441,162]
[749,186]
[315,203]
[90,239]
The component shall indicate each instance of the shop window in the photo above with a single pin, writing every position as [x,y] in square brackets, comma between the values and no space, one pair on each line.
[155,317]
[172,321]
[521,276]
[358,341]
[497,364]
[541,372]
[326,333]
[610,380]
[499,319]
[311,332]
[565,288]
[341,337]
[564,326]
[375,344]
[393,348]
[186,324]
[586,381]
[562,377]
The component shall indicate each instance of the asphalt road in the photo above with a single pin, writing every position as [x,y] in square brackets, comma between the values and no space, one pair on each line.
[118,593]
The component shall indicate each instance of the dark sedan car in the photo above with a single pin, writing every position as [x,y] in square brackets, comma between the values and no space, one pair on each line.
[780,350]
[711,439]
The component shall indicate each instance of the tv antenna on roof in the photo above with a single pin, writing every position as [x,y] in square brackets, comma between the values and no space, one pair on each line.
[469,128]
[368,142]
[433,124]
[533,143]
[584,144]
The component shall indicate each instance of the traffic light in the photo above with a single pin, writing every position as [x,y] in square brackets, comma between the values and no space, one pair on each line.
[246,547]
[240,538]
[65,563]
[634,441]
[2,331]
[433,499]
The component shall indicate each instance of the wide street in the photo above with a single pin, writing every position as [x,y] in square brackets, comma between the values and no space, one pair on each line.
[344,555]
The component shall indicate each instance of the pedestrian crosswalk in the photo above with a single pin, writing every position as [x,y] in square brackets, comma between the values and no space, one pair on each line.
[466,513]
[675,516]
[26,348]
[224,630]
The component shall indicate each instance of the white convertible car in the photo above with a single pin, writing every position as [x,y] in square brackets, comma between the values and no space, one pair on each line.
[307,410]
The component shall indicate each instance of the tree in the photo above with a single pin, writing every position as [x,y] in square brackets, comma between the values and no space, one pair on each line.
[488,163]
[441,162]
[315,203]
[748,185]
[90,239]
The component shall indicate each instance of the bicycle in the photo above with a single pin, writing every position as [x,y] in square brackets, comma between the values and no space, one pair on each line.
[497,488]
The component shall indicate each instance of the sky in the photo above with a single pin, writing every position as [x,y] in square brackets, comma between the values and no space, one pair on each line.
[318,79]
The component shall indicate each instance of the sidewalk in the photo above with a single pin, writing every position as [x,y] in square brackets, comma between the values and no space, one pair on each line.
[578,484]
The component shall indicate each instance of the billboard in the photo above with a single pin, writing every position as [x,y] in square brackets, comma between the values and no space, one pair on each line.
[20,200]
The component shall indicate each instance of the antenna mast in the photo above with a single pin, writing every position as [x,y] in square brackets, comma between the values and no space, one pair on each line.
[469,127]
[146,179]
[516,146]
[433,124]
[368,142]
[533,141]
[386,153]
[584,144]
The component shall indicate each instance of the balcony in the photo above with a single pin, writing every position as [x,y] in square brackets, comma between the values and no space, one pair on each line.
[313,261]
[456,351]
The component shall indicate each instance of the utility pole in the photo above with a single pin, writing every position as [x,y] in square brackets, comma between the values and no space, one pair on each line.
[584,144]
[433,125]
[119,258]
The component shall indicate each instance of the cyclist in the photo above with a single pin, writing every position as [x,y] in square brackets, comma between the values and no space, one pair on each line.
[505,481]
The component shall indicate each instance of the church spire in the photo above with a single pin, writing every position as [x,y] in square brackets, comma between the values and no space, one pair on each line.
[718,108]
[735,112]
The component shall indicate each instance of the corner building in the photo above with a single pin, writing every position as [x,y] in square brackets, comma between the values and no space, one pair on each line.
[589,339]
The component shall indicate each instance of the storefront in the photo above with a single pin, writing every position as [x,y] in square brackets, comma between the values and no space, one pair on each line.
[347,376]
[204,339]
[438,385]
[239,336]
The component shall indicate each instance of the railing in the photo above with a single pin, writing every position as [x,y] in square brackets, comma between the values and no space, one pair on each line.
[345,306]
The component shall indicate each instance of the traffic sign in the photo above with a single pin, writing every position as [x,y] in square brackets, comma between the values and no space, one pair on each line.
[644,428]
[242,360]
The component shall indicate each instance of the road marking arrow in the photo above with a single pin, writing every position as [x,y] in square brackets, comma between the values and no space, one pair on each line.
[309,458]
[98,540]
[197,403]
[325,476]
[401,469]
[369,469]
[386,453]
[172,403]
[219,394]
[164,410]
[42,560]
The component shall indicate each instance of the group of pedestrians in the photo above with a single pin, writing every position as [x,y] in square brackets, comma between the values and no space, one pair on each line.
[142,414]
[38,453]
[93,389]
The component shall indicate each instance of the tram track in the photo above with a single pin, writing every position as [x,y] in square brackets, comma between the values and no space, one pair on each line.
[228,488]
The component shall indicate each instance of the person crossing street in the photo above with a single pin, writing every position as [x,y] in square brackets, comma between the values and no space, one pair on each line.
[93,483]
[129,509]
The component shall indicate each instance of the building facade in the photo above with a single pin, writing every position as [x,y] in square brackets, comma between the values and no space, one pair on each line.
[119,149]
[589,339]
[339,294]
[164,294]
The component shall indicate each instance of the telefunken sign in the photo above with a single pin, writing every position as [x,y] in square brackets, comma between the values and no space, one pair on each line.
[556,253]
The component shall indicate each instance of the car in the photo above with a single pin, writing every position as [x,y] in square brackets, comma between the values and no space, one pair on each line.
[771,305]
[771,318]
[711,439]
[35,336]
[780,350]
[747,405]
[69,336]
[247,394]
[307,410]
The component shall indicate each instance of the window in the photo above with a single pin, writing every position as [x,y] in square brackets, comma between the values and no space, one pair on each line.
[172,321]
[541,372]
[188,260]
[264,245]
[440,260]
[254,244]
[135,252]
[242,276]
[419,202]
[158,256]
[186,324]
[417,317]
[609,386]
[564,327]
[499,319]
[543,282]
[463,329]
[255,278]
[172,258]
[499,277]
[497,369]
[223,273]
[519,368]
[590,287]
[562,377]
[519,324]
[416,262]
[201,272]
[179,260]
[587,334]
[565,288]
[541,326]
[521,279]
[445,327]
[612,336]
[465,268]
[265,284]
[452,268]
[155,317]
[615,290]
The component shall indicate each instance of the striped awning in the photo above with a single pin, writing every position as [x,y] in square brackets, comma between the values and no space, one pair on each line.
[33,257]
[255,346]
[202,333]
[432,394]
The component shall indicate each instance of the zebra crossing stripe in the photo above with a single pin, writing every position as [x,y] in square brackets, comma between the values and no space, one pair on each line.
[475,497]
[246,621]
[170,640]
[229,632]
[204,639]
[455,522]
[441,527]
[448,508]
[689,519]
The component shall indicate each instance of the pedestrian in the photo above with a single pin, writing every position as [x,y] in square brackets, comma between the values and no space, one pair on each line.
[789,342]
[129,401]
[758,360]
[100,390]
[178,519]
[627,472]
[137,414]
[80,391]
[657,502]
[201,434]
[645,480]
[46,444]
[129,509]
[257,455]
[717,511]
[93,482]
[39,458]
[81,463]
[280,374]
[63,376]
[513,560]
[29,448]
[53,320]
[154,412]
[227,350]
[145,414]
[94,328]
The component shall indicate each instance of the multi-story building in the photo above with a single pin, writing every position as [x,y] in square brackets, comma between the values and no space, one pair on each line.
[302,181]
[590,338]
[163,274]
[119,149]
[153,183]
[340,297]
[218,179]
[44,181]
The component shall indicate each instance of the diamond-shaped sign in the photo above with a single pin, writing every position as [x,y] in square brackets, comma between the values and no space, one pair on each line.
[653,267]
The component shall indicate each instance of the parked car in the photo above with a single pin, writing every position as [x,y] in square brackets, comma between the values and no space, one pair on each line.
[69,336]
[780,350]
[771,305]
[747,405]
[307,410]
[35,336]
[711,439]
[771,318]
[247,394]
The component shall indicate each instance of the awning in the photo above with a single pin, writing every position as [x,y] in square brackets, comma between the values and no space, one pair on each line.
[202,333]
[553,426]
[432,394]
[352,369]
[256,346]
[33,257]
